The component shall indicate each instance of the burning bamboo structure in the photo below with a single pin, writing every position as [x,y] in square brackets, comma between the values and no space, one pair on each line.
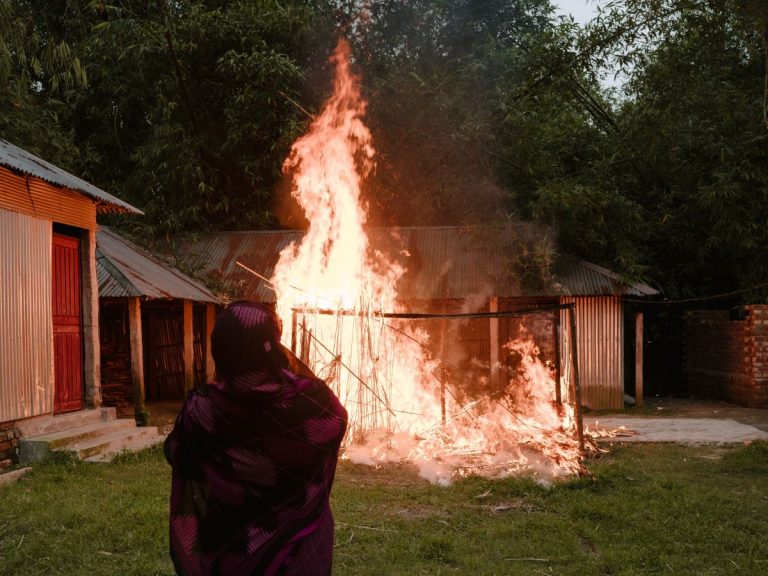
[349,324]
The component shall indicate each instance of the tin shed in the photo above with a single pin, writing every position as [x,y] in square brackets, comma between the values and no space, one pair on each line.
[468,269]
[155,326]
[49,345]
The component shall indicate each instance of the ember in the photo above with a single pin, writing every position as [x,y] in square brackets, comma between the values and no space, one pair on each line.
[333,289]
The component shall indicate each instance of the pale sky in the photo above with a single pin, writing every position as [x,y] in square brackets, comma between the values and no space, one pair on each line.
[582,10]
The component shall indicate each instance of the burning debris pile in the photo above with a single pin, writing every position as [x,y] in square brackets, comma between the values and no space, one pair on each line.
[337,295]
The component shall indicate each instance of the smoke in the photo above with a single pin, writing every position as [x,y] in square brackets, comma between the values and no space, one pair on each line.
[435,472]
[450,421]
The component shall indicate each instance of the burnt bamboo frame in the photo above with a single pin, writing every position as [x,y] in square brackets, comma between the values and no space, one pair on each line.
[573,348]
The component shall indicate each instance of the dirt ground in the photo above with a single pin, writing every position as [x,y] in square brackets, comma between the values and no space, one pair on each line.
[701,408]
[163,414]
[683,420]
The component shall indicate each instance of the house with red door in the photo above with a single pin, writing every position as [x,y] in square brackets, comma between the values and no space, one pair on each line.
[49,341]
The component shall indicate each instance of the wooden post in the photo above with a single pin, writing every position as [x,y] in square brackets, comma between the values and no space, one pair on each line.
[305,341]
[210,321]
[189,347]
[90,319]
[576,383]
[137,357]
[294,327]
[493,306]
[443,371]
[443,337]
[639,359]
[556,331]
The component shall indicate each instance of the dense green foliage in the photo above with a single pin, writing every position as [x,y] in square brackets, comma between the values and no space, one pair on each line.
[192,107]
[188,108]
[480,111]
[672,176]
[653,509]
[39,71]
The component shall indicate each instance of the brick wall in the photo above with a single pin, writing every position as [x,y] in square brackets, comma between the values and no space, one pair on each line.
[9,445]
[759,316]
[727,359]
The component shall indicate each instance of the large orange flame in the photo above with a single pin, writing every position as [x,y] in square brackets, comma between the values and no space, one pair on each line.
[380,371]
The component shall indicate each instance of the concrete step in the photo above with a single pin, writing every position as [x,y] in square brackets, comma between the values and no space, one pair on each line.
[12,476]
[112,442]
[47,442]
[93,435]
[48,424]
[132,446]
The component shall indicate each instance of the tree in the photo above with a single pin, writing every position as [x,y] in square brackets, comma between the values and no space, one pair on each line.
[696,117]
[557,126]
[39,70]
[670,178]
[192,106]
[430,71]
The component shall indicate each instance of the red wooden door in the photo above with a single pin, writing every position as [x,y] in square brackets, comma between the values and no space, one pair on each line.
[67,332]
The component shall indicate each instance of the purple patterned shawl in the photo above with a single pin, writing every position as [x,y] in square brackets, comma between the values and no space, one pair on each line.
[254,456]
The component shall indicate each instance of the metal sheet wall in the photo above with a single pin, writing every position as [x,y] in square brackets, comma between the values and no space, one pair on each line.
[600,331]
[35,197]
[26,325]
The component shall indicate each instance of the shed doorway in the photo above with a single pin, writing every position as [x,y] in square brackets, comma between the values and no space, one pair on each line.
[163,326]
[67,324]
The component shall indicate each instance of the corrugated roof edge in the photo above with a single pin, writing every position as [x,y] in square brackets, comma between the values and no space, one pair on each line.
[627,287]
[116,274]
[644,289]
[198,285]
[25,162]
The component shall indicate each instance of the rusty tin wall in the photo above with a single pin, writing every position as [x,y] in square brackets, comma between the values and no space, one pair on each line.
[26,324]
[600,331]
[47,174]
[34,197]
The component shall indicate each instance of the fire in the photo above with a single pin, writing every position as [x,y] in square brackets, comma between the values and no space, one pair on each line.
[332,288]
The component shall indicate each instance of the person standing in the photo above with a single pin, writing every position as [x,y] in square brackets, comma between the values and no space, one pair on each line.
[253,458]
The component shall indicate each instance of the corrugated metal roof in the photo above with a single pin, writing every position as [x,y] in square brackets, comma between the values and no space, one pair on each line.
[124,270]
[22,161]
[214,256]
[441,262]
[581,278]
[109,286]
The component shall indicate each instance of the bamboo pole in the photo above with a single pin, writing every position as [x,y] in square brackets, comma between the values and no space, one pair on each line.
[430,316]
[493,306]
[305,341]
[443,371]
[639,359]
[556,330]
[352,373]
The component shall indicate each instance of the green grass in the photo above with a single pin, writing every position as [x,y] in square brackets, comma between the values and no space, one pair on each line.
[653,509]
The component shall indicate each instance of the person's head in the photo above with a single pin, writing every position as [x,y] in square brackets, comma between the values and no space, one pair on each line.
[246,338]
